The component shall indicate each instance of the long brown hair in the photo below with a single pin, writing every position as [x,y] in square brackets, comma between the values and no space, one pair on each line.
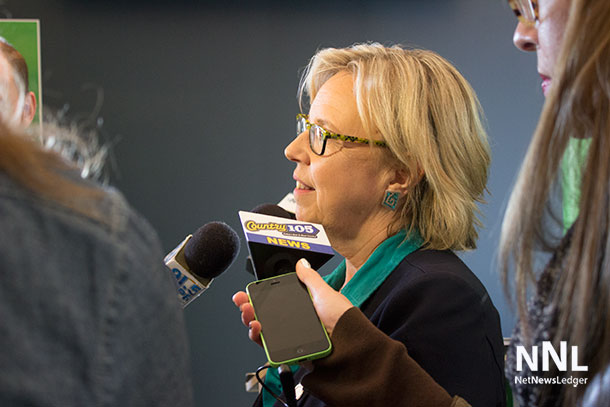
[44,172]
[578,105]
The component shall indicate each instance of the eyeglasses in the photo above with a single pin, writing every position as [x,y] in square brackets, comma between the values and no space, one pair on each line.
[525,10]
[318,136]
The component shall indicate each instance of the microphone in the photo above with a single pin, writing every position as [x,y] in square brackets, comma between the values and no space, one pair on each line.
[276,241]
[201,257]
[271,210]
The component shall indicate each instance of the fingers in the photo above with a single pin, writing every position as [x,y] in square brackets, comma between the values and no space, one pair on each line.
[247,314]
[241,300]
[254,333]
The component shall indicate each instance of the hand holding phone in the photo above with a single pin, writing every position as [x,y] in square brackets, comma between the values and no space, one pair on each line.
[291,329]
[330,304]
[242,301]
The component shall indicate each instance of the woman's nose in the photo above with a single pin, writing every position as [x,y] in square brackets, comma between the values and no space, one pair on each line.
[526,37]
[297,150]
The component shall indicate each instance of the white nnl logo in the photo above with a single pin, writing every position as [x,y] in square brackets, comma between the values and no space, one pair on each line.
[548,352]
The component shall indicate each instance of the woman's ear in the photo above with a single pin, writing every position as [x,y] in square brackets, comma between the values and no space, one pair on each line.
[405,179]
[29,109]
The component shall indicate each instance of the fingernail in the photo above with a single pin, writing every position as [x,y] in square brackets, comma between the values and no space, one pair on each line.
[305,262]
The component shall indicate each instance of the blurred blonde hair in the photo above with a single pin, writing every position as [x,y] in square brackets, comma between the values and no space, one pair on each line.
[430,118]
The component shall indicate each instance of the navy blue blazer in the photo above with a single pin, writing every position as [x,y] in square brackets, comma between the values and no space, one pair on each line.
[441,312]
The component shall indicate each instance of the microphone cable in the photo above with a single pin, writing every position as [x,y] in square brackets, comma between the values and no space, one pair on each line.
[287,380]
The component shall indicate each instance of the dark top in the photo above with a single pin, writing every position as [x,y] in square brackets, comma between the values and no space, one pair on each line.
[438,309]
[544,388]
[89,315]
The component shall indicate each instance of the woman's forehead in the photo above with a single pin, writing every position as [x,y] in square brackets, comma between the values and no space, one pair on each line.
[335,104]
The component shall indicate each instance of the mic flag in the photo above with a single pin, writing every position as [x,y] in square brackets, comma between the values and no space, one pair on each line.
[276,244]
[201,257]
[188,286]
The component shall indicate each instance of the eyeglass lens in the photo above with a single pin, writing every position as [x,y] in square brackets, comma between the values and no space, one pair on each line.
[316,138]
[301,125]
[525,9]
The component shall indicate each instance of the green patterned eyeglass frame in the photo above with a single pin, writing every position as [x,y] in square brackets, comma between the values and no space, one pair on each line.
[304,124]
[525,10]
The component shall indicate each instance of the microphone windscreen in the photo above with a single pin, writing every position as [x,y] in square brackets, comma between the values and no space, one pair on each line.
[212,249]
[273,210]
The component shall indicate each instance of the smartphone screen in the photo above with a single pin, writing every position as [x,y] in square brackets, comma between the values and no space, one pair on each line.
[291,329]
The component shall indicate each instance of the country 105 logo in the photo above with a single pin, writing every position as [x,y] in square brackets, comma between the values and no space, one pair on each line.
[287,229]
[547,354]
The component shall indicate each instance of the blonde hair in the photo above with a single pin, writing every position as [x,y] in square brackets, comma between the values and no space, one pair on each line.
[578,105]
[430,118]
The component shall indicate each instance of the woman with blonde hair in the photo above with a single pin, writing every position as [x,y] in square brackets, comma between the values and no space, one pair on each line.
[392,160]
[571,294]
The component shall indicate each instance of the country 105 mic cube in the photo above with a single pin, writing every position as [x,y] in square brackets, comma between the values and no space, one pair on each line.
[276,244]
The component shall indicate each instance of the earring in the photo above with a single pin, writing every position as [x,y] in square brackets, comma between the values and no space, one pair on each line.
[391,199]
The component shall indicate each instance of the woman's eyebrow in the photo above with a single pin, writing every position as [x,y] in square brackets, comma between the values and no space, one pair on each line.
[326,124]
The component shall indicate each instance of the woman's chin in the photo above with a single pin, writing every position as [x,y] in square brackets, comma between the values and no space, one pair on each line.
[305,216]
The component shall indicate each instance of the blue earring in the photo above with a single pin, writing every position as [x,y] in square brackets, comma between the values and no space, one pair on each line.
[391,199]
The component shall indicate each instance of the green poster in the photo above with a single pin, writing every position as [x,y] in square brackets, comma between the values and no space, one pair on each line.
[24,36]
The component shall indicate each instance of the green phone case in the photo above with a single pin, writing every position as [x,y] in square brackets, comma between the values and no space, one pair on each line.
[311,356]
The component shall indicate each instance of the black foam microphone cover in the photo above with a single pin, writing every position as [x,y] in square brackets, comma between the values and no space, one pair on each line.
[273,210]
[212,249]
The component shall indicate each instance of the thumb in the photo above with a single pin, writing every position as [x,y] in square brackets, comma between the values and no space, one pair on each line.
[329,304]
[311,278]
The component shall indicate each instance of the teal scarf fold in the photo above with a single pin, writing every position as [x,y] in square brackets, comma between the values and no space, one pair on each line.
[572,167]
[363,284]
[377,268]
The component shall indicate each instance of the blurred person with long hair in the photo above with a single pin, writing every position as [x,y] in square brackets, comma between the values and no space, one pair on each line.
[89,315]
[571,294]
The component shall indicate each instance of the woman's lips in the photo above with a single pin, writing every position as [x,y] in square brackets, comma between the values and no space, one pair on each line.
[546,84]
[301,187]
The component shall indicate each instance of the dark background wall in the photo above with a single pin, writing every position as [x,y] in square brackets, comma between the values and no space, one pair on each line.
[199,102]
